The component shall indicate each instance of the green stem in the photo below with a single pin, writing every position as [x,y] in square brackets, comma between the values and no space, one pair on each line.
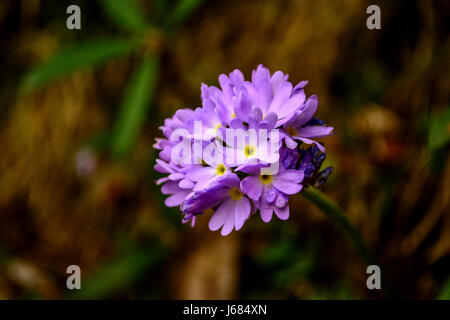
[339,219]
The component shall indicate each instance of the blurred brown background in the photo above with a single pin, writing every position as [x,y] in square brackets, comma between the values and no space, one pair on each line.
[64,199]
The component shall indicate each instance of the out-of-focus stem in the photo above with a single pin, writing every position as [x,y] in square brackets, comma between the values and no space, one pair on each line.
[340,221]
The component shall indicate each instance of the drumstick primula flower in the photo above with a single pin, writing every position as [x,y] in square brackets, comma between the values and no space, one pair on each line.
[248,148]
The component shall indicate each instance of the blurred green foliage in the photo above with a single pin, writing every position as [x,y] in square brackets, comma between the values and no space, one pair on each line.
[182,10]
[126,15]
[134,108]
[439,132]
[445,291]
[75,58]
[286,262]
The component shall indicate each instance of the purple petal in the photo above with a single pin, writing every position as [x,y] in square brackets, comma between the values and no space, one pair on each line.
[309,141]
[282,200]
[183,114]
[307,113]
[201,173]
[252,92]
[199,201]
[230,219]
[266,213]
[221,215]
[276,80]
[282,213]
[242,212]
[271,119]
[252,187]
[291,144]
[300,85]
[292,105]
[236,123]
[229,180]
[166,153]
[257,114]
[186,184]
[314,131]
[252,169]
[203,184]
[225,84]
[176,176]
[162,180]
[261,73]
[176,199]
[286,186]
[244,106]
[295,176]
[236,76]
[265,95]
[282,95]
[163,165]
[224,111]
[170,188]
[271,195]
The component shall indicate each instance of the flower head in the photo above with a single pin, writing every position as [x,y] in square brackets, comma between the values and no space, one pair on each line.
[249,147]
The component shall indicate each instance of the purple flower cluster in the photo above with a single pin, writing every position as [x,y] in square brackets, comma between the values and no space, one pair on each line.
[232,180]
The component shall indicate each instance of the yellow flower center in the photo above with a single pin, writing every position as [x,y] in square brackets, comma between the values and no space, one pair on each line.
[220,170]
[265,178]
[249,151]
[235,194]
[233,115]
[217,127]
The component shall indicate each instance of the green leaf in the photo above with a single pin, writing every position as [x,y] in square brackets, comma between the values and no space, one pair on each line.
[444,294]
[75,58]
[125,14]
[439,130]
[182,11]
[133,110]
